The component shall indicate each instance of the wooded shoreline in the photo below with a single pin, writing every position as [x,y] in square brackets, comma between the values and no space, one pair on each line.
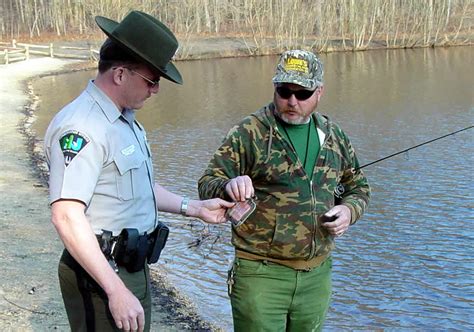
[262,27]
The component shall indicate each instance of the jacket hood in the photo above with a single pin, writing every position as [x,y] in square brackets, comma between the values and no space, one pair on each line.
[266,116]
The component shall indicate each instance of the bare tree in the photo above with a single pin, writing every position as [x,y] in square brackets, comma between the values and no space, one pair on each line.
[265,25]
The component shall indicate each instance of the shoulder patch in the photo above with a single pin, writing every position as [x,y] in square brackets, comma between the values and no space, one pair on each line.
[71,143]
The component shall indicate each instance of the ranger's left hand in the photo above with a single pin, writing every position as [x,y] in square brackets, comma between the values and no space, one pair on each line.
[211,211]
[340,225]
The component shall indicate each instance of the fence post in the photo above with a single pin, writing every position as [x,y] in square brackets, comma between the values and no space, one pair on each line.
[51,54]
[13,43]
[27,52]
[6,57]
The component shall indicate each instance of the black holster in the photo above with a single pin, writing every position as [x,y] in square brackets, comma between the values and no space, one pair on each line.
[132,250]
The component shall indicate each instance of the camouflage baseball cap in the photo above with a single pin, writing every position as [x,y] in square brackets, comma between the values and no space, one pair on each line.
[299,67]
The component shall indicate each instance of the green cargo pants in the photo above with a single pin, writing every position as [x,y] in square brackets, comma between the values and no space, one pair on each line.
[87,304]
[270,297]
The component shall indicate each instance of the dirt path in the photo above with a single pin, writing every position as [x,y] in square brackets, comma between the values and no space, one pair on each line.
[29,246]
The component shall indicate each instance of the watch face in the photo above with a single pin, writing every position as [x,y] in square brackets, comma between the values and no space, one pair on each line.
[239,213]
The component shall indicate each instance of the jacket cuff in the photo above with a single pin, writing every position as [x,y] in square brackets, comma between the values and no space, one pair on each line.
[354,215]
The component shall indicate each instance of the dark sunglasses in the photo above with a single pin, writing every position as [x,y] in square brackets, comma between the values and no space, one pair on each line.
[150,83]
[286,93]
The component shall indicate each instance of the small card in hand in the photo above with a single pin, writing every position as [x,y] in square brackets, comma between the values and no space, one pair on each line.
[239,213]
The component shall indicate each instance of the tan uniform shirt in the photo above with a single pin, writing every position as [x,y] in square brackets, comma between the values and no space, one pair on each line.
[101,157]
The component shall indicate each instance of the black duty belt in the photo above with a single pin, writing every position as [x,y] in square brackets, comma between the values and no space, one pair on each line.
[132,250]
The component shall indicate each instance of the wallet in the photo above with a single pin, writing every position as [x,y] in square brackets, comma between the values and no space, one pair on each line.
[239,213]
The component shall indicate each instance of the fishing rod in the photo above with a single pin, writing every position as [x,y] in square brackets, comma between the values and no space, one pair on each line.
[413,147]
[339,191]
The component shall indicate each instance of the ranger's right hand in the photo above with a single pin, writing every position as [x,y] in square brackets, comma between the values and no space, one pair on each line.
[126,310]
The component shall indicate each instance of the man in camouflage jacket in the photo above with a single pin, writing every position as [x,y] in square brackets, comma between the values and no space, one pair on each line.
[307,190]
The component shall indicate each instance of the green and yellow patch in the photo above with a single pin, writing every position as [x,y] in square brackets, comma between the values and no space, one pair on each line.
[72,142]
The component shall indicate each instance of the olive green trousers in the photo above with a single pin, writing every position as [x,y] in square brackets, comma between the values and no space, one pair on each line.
[87,305]
[267,296]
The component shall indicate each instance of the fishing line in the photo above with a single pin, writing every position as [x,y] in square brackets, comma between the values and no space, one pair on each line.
[413,147]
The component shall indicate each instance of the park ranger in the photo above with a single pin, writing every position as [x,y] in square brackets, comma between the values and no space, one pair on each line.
[296,168]
[102,192]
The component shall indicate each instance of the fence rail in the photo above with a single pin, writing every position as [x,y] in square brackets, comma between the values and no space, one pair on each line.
[13,55]
[13,51]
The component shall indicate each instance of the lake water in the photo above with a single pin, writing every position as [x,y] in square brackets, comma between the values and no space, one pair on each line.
[409,262]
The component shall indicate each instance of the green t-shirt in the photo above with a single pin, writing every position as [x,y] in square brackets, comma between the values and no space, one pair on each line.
[305,140]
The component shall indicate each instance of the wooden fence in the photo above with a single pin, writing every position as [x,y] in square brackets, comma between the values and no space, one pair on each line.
[14,51]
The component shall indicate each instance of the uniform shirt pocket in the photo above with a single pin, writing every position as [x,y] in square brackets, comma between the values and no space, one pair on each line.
[127,166]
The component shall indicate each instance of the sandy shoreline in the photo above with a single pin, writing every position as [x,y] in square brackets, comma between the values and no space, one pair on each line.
[29,293]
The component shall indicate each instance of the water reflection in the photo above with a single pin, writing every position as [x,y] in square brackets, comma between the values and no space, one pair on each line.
[409,263]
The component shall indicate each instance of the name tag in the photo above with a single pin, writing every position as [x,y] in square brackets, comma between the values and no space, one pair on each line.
[128,150]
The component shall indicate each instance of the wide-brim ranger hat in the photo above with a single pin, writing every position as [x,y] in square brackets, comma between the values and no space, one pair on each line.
[299,67]
[146,38]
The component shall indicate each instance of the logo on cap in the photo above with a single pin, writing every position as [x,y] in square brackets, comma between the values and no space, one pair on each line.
[300,65]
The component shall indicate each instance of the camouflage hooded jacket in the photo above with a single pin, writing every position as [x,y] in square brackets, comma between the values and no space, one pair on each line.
[285,223]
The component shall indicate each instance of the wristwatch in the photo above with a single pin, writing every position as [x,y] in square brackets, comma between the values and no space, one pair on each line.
[184,205]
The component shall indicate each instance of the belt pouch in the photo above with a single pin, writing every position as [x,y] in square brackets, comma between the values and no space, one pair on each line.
[126,246]
[137,258]
[158,240]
